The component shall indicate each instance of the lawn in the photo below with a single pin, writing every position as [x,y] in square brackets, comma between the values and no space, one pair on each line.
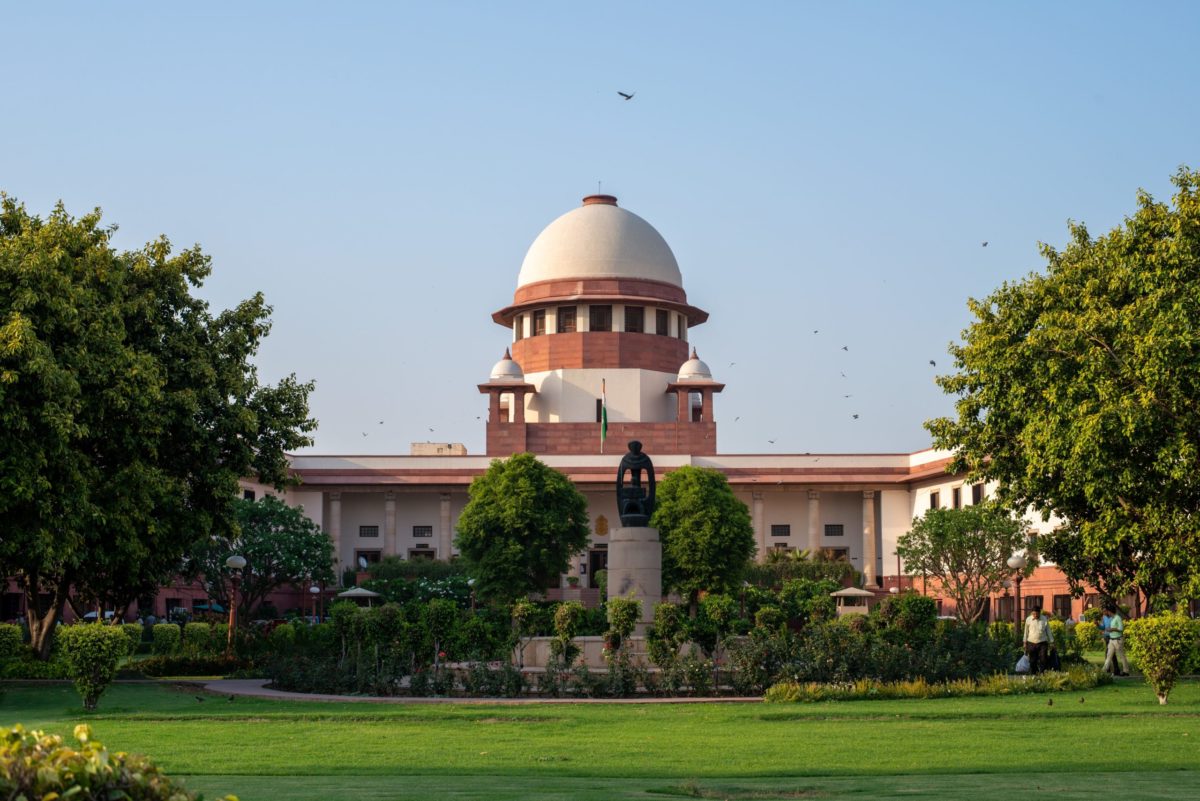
[980,748]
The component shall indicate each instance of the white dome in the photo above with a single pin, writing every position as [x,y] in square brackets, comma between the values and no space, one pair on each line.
[599,240]
[694,370]
[508,370]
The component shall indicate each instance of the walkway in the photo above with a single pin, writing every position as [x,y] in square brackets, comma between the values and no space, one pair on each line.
[257,688]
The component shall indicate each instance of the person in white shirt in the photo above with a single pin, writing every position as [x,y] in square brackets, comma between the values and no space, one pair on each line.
[1038,638]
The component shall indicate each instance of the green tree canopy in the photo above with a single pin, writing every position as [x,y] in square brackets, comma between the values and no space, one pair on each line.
[706,533]
[281,546]
[523,523]
[128,412]
[1079,391]
[967,550]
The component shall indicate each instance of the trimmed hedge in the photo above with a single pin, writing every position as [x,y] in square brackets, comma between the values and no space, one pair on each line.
[188,665]
[12,641]
[34,765]
[1074,679]
[134,632]
[166,638]
[1161,646]
[91,655]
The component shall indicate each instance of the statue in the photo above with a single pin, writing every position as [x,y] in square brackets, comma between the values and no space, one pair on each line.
[635,503]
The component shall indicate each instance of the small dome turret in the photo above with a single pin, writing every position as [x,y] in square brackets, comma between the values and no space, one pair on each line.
[694,370]
[508,370]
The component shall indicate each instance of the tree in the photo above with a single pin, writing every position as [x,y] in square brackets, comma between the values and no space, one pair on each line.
[706,533]
[967,550]
[521,526]
[281,547]
[1079,392]
[128,412]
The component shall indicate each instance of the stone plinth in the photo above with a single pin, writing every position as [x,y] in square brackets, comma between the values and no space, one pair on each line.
[635,569]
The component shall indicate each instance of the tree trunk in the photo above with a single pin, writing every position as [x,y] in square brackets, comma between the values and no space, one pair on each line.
[41,626]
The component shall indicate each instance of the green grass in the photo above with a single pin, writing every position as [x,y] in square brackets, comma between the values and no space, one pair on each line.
[947,748]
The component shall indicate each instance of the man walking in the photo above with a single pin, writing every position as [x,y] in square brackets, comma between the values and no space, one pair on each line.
[1114,635]
[1037,640]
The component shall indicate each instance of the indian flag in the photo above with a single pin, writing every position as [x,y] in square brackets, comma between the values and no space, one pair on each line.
[603,415]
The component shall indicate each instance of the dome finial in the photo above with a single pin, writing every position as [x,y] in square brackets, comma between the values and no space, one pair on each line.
[606,200]
[694,356]
[507,354]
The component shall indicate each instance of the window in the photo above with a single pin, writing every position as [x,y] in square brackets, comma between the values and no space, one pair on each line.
[371,556]
[1032,602]
[956,497]
[539,323]
[422,531]
[600,318]
[247,495]
[1004,607]
[781,546]
[635,320]
[519,327]
[976,493]
[781,530]
[599,408]
[662,323]
[935,500]
[566,320]
[1062,606]
[834,530]
[680,330]
[368,531]
[1091,601]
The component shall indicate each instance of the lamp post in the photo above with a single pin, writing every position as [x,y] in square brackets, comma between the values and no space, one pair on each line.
[471,585]
[314,590]
[1017,562]
[234,563]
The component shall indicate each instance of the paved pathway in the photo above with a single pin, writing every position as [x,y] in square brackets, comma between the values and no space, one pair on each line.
[257,688]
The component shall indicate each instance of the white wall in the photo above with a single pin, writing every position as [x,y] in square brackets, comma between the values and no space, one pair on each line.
[569,396]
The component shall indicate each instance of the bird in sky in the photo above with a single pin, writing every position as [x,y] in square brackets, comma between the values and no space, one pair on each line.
[364,433]
[731,364]
[855,416]
[628,96]
[380,422]
[845,347]
[816,331]
[984,243]
[843,375]
[736,419]
[847,396]
[431,429]
[932,363]
[771,441]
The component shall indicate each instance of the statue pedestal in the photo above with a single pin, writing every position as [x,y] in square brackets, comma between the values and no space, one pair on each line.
[635,569]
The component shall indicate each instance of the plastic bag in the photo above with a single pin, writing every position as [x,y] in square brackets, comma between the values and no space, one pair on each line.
[1022,664]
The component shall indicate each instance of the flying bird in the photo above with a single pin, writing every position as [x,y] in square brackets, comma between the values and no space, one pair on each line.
[845,347]
[627,96]
[736,419]
[364,433]
[847,396]
[731,364]
[932,363]
[771,441]
[431,429]
[984,243]
[380,422]
[843,375]
[816,331]
[855,416]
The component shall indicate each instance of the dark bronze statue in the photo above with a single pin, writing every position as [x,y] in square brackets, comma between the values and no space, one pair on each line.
[635,503]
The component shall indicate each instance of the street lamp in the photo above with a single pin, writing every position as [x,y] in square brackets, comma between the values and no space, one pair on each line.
[314,591]
[234,563]
[1017,562]
[471,585]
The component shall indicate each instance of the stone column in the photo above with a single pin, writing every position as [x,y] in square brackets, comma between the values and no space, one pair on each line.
[870,554]
[390,544]
[814,523]
[445,535]
[760,529]
[684,414]
[706,405]
[335,530]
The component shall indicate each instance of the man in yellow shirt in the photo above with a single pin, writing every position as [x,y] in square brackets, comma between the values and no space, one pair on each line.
[1037,640]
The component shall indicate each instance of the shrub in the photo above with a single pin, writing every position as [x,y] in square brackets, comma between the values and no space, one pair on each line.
[133,632]
[393,567]
[202,639]
[1161,646]
[1088,636]
[11,641]
[190,665]
[567,618]
[28,666]
[909,612]
[1075,679]
[166,637]
[39,766]
[91,655]
[806,600]
[502,681]
[623,615]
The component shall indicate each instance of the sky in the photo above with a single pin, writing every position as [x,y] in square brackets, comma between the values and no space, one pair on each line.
[379,170]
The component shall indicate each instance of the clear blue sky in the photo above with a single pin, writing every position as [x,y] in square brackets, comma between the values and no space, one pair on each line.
[379,171]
